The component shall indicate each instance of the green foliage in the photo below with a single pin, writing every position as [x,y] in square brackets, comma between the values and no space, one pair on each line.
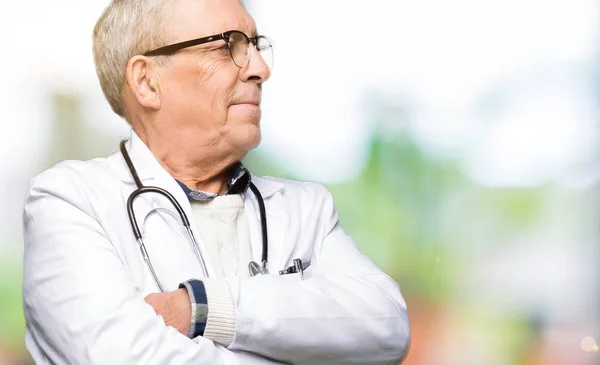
[12,321]
[395,212]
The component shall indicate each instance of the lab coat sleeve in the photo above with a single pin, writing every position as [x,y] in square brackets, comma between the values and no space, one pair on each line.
[349,312]
[80,303]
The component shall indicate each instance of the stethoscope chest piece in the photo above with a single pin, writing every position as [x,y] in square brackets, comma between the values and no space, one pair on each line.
[257,269]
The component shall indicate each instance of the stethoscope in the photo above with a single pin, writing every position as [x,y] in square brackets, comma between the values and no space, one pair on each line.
[254,267]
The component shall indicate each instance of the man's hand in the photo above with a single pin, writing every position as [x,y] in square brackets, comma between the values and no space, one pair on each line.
[174,307]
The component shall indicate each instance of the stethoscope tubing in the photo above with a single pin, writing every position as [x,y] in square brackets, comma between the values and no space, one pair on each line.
[141,189]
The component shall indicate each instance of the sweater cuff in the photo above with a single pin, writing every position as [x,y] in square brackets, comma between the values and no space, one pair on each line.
[220,324]
[197,293]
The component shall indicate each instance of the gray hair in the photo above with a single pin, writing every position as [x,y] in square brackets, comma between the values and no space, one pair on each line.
[126,28]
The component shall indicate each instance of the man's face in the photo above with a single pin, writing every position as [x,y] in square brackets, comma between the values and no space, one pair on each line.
[207,99]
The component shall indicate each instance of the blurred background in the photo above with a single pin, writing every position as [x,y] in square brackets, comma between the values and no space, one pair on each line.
[460,140]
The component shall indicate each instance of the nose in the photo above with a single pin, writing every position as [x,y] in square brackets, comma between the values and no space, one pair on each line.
[257,69]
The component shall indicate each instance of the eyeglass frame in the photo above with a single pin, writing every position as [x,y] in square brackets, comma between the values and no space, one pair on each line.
[172,48]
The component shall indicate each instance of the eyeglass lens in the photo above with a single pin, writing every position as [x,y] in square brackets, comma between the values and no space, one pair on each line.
[240,50]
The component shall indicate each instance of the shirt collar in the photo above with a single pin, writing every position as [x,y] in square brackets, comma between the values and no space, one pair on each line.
[238,183]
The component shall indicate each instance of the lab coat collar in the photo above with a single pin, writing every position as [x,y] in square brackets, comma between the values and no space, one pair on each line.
[267,187]
[146,165]
[148,168]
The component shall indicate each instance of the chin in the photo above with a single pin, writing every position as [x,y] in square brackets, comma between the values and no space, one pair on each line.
[243,130]
[254,140]
[249,139]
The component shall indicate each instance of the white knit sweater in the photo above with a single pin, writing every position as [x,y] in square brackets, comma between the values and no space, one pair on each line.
[223,228]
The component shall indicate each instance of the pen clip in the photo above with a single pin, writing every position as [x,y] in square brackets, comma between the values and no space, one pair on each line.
[297,267]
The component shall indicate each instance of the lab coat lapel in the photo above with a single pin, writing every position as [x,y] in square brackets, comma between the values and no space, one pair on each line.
[277,222]
[151,173]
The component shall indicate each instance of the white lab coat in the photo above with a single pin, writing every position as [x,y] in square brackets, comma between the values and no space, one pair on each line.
[84,277]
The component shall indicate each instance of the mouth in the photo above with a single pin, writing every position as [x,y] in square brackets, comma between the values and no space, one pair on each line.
[249,102]
[248,108]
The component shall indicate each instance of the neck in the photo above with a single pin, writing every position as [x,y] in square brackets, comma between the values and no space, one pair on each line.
[199,166]
[209,178]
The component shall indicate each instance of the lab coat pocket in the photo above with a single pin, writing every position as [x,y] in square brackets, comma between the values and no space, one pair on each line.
[296,277]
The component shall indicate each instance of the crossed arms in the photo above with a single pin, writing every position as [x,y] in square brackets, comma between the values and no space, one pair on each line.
[82,306]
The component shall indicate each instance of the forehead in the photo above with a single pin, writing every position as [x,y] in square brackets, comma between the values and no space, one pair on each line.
[186,19]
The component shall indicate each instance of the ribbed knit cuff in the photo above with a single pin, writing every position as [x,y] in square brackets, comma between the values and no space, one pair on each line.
[220,326]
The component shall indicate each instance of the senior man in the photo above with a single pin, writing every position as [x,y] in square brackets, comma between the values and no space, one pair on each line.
[262,274]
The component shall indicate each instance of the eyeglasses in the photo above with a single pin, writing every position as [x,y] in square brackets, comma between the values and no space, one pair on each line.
[237,42]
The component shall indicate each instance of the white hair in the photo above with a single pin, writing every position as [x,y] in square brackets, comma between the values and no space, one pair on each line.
[126,28]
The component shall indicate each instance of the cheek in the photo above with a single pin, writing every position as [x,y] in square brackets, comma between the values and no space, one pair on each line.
[206,89]
[221,91]
[205,93]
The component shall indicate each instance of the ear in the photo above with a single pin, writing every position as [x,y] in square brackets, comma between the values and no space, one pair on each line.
[143,81]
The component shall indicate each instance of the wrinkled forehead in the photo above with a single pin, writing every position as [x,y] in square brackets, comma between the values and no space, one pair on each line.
[188,19]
